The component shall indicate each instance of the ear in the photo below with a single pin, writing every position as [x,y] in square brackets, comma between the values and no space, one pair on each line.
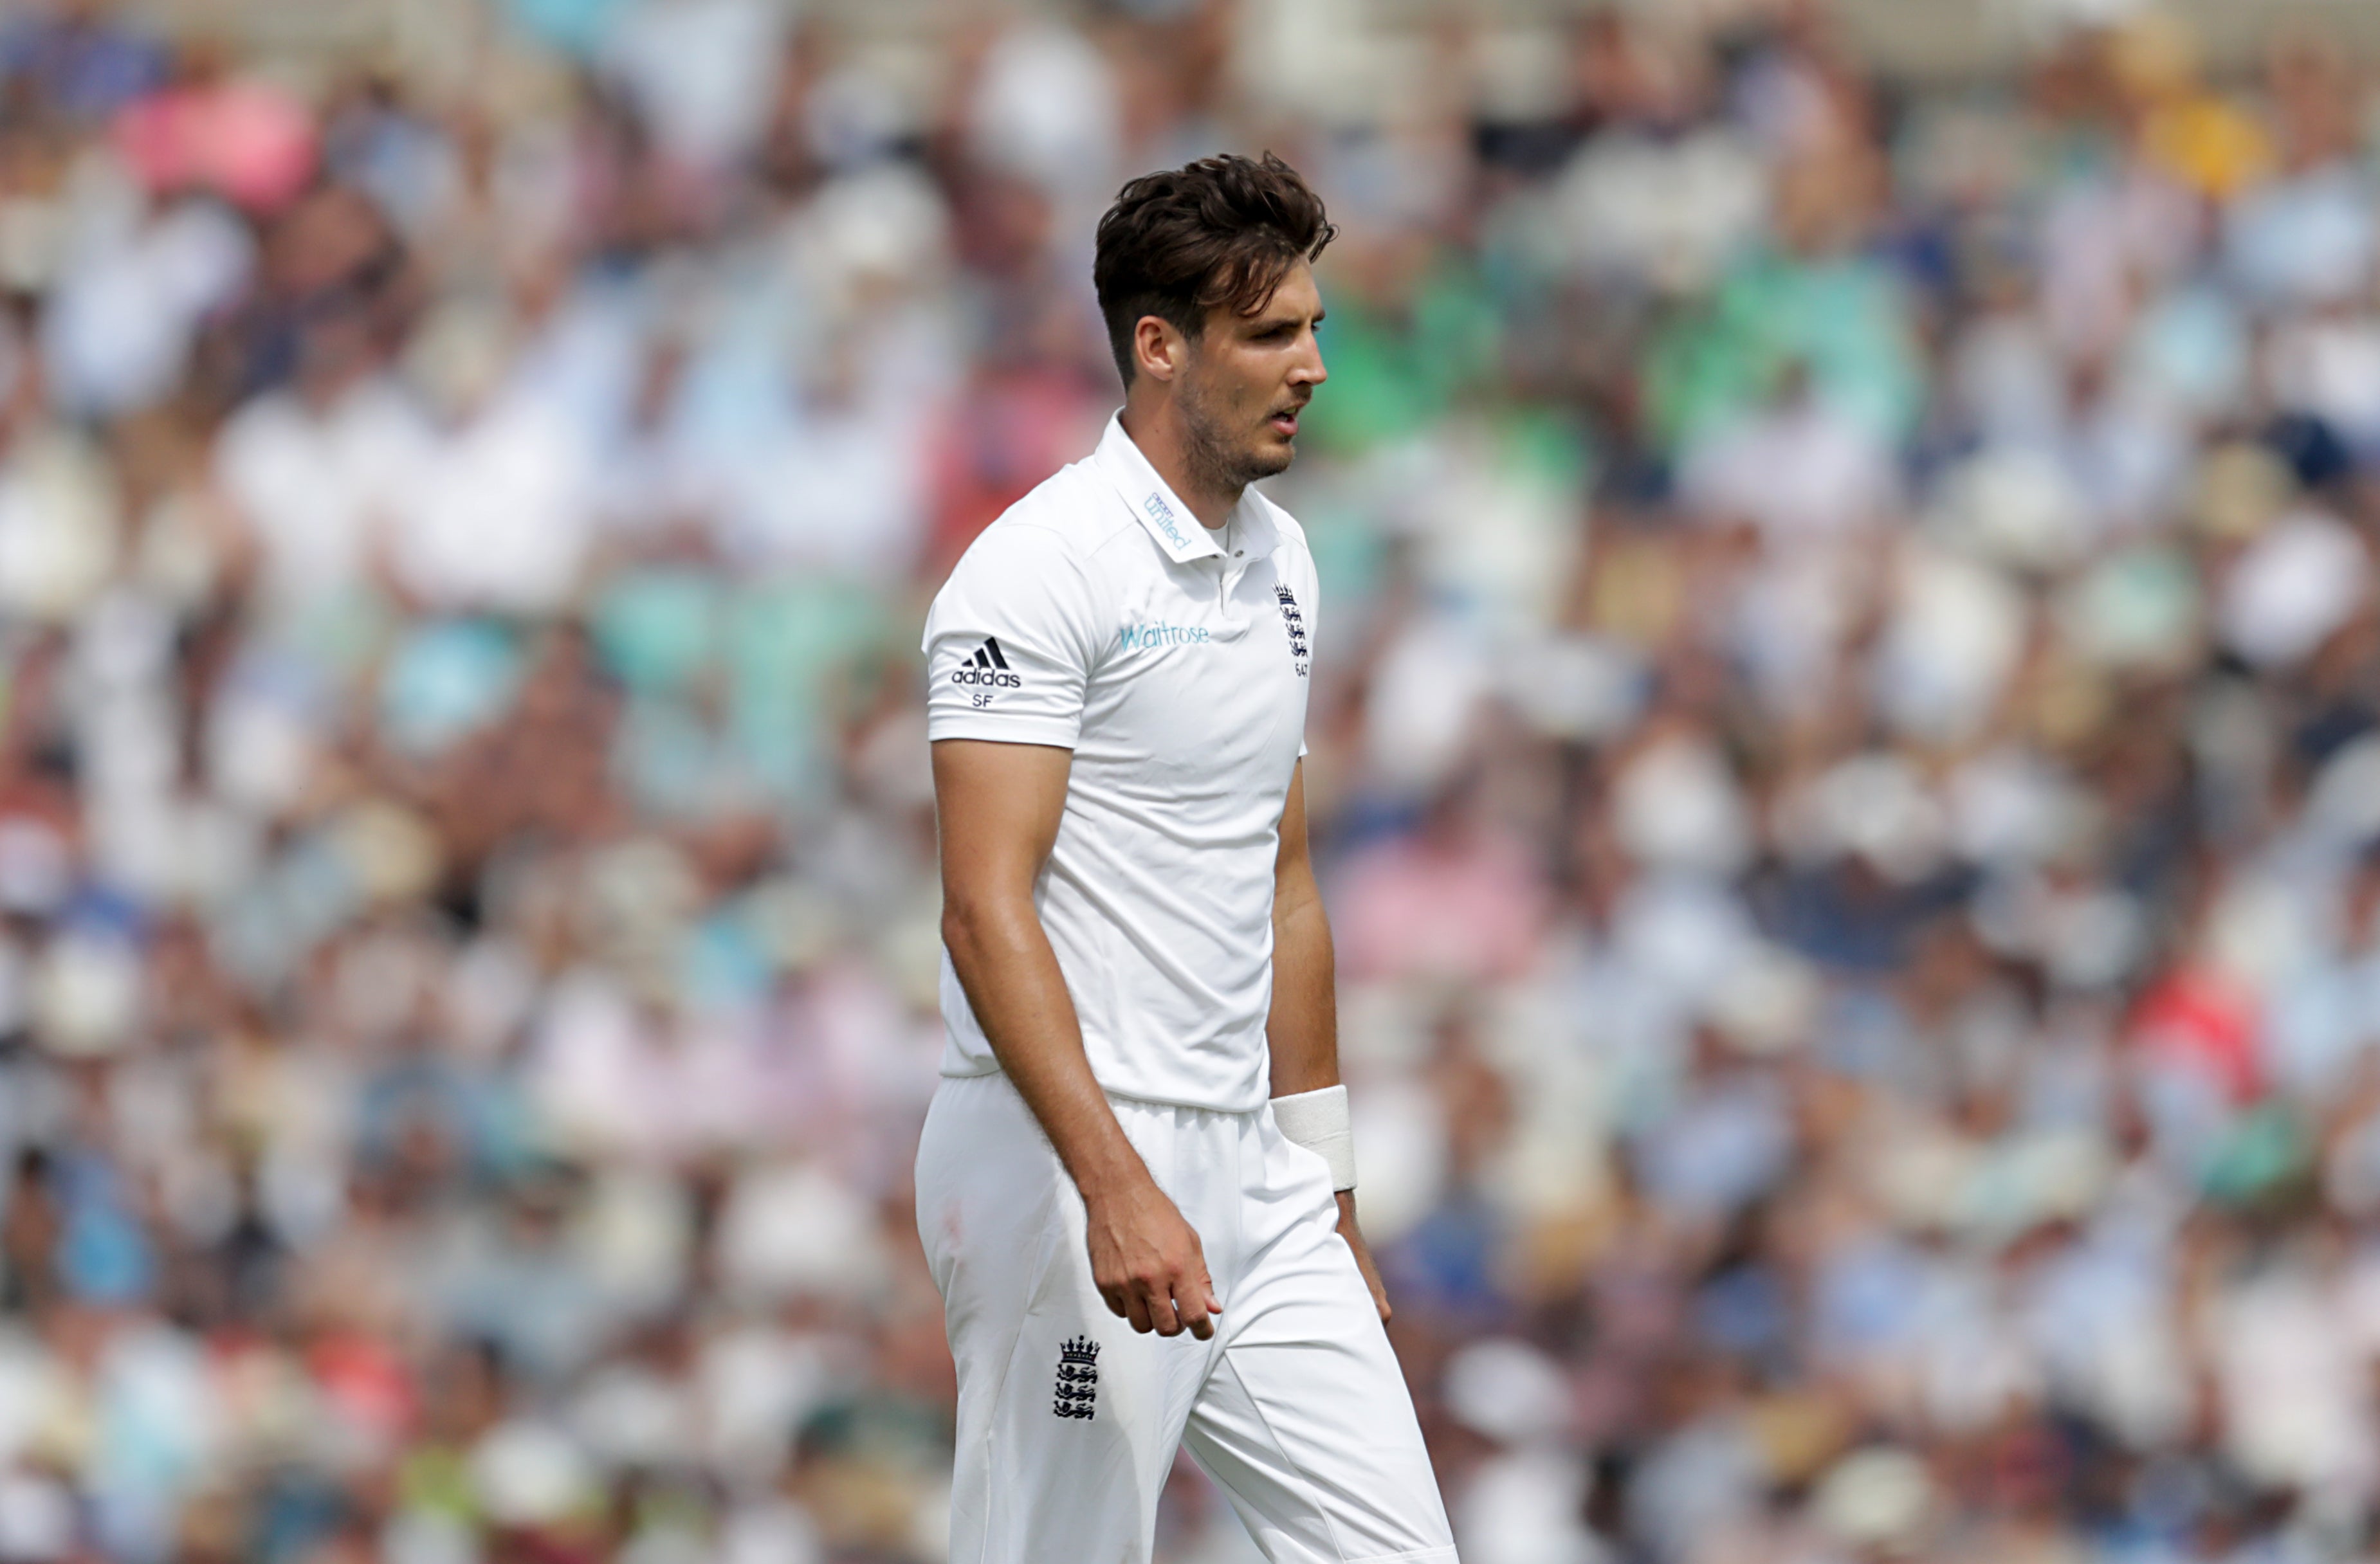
[1156,348]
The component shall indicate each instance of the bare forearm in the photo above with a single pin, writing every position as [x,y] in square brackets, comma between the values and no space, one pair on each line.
[1018,994]
[1302,1029]
[1302,1025]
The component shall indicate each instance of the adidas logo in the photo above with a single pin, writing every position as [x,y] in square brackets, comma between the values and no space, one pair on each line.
[987,667]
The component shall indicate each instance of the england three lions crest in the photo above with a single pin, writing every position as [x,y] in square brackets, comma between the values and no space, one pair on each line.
[1294,623]
[1077,1390]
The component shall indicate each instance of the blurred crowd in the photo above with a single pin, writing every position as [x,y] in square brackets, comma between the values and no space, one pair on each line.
[1846,758]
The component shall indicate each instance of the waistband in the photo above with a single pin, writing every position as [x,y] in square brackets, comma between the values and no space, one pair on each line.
[1116,1100]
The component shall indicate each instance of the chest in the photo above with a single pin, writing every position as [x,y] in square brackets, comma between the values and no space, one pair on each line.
[1205,673]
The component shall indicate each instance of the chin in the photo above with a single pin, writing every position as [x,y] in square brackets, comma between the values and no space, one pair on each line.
[1270,458]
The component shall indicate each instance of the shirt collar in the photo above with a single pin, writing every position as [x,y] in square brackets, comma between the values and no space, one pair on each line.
[1156,508]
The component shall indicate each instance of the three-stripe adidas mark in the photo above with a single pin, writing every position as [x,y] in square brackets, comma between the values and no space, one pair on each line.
[988,666]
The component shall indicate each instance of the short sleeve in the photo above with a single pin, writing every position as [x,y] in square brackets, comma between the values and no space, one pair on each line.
[1009,641]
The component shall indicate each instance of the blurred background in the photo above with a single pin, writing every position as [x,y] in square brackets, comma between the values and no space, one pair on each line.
[1846,755]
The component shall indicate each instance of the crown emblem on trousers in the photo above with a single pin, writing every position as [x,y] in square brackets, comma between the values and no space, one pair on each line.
[1077,1392]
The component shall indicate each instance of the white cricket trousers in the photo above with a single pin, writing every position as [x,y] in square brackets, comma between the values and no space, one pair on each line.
[1069,1419]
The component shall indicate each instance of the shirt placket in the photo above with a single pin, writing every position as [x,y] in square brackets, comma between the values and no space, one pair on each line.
[1229,568]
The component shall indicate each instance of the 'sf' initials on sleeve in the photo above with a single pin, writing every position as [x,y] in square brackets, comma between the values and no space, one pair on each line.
[1010,642]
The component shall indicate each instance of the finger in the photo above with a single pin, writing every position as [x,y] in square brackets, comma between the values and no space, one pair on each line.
[1372,1283]
[1114,1299]
[1194,1302]
[1168,1318]
[1137,1312]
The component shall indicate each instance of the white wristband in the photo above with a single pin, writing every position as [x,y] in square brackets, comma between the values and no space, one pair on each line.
[1318,1121]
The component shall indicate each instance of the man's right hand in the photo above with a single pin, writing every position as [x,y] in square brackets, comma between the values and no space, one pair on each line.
[1147,1264]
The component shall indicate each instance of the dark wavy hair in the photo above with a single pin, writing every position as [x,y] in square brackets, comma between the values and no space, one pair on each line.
[1222,231]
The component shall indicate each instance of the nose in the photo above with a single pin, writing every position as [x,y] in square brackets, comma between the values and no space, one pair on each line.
[1309,370]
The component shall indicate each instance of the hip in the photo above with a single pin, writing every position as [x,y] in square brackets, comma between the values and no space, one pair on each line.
[983,1158]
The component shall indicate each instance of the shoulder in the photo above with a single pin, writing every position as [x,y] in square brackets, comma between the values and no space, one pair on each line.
[1286,528]
[1069,520]
[1076,507]
[1282,522]
[1046,548]
[1295,559]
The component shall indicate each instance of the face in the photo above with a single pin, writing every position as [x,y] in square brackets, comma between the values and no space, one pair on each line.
[1241,386]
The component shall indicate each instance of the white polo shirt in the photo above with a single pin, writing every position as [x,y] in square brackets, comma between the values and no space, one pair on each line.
[1098,615]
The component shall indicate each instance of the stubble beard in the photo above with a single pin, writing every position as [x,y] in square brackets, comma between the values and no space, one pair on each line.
[1219,462]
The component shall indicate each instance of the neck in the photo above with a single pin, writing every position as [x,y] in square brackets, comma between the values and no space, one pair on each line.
[1157,429]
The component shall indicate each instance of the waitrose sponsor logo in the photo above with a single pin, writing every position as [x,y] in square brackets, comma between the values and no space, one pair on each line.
[1136,638]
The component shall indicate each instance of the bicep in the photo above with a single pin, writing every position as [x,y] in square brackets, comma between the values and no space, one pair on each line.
[998,806]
